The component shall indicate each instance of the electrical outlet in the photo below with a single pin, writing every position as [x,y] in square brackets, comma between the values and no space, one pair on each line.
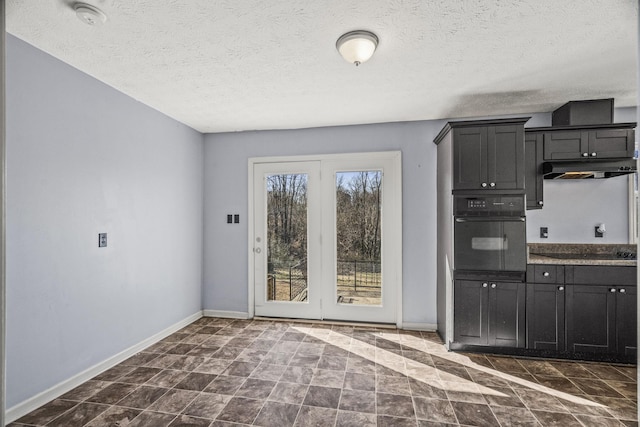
[236,219]
[229,219]
[102,240]
[598,232]
[544,232]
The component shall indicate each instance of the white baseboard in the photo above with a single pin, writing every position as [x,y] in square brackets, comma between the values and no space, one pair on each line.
[226,314]
[429,327]
[23,408]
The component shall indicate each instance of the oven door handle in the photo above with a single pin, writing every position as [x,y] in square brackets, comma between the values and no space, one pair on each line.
[492,219]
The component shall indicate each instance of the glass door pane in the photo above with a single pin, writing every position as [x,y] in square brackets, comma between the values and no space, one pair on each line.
[287,271]
[286,248]
[359,237]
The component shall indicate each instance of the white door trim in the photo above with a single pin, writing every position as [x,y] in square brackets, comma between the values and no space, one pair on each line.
[326,157]
[3,216]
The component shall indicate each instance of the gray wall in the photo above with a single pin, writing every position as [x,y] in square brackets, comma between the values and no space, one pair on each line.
[83,159]
[225,255]
[573,207]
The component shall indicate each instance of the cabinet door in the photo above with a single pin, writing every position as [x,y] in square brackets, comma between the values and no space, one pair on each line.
[626,320]
[611,143]
[470,310]
[505,157]
[591,311]
[470,157]
[507,314]
[532,175]
[545,317]
[566,145]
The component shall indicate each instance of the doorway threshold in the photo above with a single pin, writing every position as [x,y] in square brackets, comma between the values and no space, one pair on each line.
[330,322]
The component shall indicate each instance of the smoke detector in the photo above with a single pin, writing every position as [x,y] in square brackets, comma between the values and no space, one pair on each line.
[89,14]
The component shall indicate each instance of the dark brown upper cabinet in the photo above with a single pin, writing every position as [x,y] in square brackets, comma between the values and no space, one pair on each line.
[487,154]
[612,141]
[533,148]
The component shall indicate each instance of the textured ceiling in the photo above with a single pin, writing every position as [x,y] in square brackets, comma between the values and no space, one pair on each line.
[229,65]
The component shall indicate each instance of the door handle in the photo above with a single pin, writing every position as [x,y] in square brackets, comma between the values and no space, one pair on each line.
[493,219]
[257,250]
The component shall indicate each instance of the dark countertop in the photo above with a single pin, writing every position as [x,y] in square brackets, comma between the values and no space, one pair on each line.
[580,254]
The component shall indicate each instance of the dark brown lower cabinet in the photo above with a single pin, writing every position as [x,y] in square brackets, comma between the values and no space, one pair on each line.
[489,313]
[545,317]
[601,319]
[626,321]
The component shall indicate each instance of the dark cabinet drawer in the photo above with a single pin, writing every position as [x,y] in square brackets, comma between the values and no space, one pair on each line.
[601,275]
[545,273]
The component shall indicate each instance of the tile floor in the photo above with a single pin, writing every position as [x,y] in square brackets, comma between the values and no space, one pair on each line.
[220,372]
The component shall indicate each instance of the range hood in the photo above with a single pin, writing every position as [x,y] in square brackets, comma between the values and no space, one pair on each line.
[567,169]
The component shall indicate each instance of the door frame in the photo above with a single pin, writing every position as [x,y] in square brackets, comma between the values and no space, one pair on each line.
[396,198]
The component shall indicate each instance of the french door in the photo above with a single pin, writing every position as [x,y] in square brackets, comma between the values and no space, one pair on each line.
[326,237]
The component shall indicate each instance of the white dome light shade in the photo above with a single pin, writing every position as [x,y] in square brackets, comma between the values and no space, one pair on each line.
[89,14]
[357,47]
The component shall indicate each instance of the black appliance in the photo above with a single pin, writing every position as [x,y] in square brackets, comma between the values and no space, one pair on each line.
[489,235]
[592,169]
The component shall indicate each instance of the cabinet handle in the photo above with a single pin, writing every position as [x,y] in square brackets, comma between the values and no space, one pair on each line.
[493,184]
[483,185]
[593,154]
[585,154]
[493,286]
[484,285]
[561,288]
[540,202]
[622,291]
[612,290]
[545,274]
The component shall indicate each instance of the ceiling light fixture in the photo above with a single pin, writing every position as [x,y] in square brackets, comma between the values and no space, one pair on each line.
[89,14]
[358,46]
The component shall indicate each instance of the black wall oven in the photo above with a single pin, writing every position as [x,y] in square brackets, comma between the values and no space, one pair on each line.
[489,234]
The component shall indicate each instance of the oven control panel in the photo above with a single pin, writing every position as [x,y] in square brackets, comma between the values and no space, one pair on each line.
[476,203]
[511,205]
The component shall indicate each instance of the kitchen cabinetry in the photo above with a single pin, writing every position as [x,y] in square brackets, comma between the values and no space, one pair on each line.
[489,313]
[546,308]
[484,155]
[601,310]
[488,157]
[582,309]
[612,141]
[533,148]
